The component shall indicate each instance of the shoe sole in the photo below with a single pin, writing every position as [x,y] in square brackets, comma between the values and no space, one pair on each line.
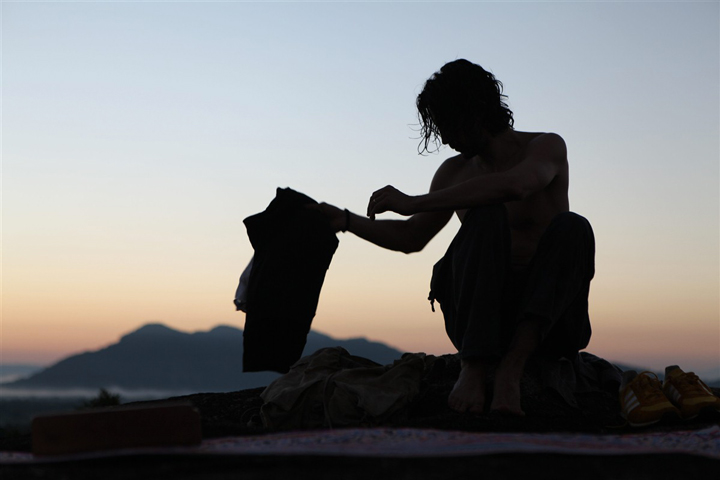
[708,412]
[668,417]
[637,425]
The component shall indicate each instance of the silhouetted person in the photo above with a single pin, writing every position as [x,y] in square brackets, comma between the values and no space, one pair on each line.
[515,280]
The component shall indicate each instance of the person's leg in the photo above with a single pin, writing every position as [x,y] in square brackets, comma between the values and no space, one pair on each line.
[469,285]
[558,285]
[506,392]
[553,318]
[468,393]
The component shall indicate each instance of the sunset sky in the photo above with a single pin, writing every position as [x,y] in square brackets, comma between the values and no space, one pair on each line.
[137,136]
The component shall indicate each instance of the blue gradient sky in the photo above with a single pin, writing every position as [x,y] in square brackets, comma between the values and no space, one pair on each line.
[137,136]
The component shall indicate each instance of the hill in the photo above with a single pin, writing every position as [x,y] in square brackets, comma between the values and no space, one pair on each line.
[157,357]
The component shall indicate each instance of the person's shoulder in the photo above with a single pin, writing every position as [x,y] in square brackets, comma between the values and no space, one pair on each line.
[447,171]
[548,145]
[545,140]
[452,163]
[451,166]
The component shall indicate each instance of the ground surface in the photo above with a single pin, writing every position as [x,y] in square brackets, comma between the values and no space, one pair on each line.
[537,467]
[236,413]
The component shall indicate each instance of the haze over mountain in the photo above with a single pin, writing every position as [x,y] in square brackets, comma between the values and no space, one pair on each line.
[157,357]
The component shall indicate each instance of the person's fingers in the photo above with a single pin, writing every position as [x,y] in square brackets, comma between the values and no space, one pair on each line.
[380,207]
[373,203]
[377,201]
[374,210]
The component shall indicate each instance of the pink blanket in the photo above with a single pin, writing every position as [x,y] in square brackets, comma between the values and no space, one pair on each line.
[408,442]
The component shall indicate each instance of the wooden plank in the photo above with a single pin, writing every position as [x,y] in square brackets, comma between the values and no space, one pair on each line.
[115,428]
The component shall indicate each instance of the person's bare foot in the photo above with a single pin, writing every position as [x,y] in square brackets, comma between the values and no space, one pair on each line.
[468,394]
[506,393]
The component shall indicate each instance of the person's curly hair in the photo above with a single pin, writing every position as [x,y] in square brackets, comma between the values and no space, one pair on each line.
[460,92]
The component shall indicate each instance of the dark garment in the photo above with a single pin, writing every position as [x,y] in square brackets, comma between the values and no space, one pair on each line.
[483,299]
[293,249]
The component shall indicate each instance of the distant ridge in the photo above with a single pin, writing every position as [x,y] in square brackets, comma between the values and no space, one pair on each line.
[157,357]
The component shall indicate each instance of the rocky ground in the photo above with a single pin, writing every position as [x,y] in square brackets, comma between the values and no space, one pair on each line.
[236,413]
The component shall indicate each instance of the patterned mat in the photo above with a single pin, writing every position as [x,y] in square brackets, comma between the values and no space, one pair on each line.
[407,442]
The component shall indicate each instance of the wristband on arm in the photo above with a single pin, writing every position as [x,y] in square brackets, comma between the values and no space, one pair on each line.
[347,221]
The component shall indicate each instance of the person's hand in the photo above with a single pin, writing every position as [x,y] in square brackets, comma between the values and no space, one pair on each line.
[389,199]
[336,216]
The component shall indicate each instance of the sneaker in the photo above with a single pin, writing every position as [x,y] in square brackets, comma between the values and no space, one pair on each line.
[688,393]
[642,401]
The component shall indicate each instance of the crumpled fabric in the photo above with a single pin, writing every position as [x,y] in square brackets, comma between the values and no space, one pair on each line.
[332,388]
[584,373]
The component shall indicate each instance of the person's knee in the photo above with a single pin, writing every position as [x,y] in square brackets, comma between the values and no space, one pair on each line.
[572,235]
[572,225]
[571,219]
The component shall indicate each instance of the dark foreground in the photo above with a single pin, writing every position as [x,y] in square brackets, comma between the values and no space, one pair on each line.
[537,467]
[235,413]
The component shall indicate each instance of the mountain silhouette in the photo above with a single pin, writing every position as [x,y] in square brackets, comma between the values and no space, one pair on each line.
[157,357]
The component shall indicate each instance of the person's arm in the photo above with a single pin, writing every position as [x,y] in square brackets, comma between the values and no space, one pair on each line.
[544,160]
[406,236]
